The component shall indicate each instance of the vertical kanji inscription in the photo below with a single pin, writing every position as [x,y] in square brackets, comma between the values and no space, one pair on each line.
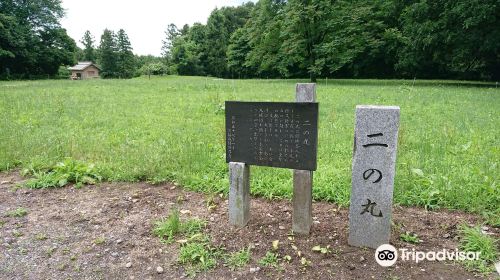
[373,170]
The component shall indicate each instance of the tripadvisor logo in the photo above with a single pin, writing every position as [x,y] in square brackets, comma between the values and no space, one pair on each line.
[387,255]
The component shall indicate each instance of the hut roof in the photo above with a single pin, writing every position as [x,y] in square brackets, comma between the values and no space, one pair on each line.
[82,65]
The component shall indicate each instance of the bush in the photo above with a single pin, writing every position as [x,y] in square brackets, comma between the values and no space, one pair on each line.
[63,72]
[155,68]
[63,173]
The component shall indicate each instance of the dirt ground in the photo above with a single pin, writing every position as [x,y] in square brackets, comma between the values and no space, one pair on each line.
[57,237]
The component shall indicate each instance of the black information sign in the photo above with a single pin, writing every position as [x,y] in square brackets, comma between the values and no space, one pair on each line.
[278,134]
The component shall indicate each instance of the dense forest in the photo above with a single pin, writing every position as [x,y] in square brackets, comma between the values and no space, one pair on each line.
[445,39]
[441,39]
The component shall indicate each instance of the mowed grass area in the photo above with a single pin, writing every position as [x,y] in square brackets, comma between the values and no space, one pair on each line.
[172,129]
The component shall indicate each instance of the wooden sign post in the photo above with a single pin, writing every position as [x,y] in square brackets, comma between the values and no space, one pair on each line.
[303,179]
[276,134]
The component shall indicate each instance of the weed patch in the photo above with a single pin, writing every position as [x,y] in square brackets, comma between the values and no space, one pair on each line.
[473,240]
[269,260]
[66,172]
[19,212]
[238,259]
[409,237]
[99,241]
[171,226]
[198,256]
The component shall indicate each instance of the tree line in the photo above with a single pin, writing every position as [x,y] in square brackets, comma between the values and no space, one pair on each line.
[440,39]
[445,39]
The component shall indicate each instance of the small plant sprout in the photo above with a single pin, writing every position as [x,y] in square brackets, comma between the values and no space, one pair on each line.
[167,228]
[41,236]
[409,238]
[269,260]
[238,259]
[210,202]
[51,251]
[19,212]
[192,227]
[180,199]
[199,256]
[305,262]
[99,240]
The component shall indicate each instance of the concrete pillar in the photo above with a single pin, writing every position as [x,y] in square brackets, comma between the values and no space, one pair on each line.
[239,193]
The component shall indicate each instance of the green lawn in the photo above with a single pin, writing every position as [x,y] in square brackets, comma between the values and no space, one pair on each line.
[172,128]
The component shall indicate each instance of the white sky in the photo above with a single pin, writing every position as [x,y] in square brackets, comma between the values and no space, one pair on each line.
[144,21]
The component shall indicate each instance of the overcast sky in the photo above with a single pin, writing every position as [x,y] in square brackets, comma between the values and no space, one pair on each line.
[144,20]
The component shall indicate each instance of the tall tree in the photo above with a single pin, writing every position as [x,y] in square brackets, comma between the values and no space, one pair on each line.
[220,25]
[125,57]
[42,14]
[184,30]
[108,55]
[12,44]
[305,27]
[263,31]
[33,42]
[197,36]
[170,35]
[88,47]
[186,58]
[237,51]
[217,38]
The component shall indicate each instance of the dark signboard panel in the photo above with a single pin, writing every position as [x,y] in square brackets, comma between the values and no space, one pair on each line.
[277,134]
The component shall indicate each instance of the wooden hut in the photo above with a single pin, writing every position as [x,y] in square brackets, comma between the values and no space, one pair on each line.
[84,70]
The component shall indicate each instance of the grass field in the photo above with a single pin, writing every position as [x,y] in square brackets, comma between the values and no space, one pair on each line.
[172,129]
